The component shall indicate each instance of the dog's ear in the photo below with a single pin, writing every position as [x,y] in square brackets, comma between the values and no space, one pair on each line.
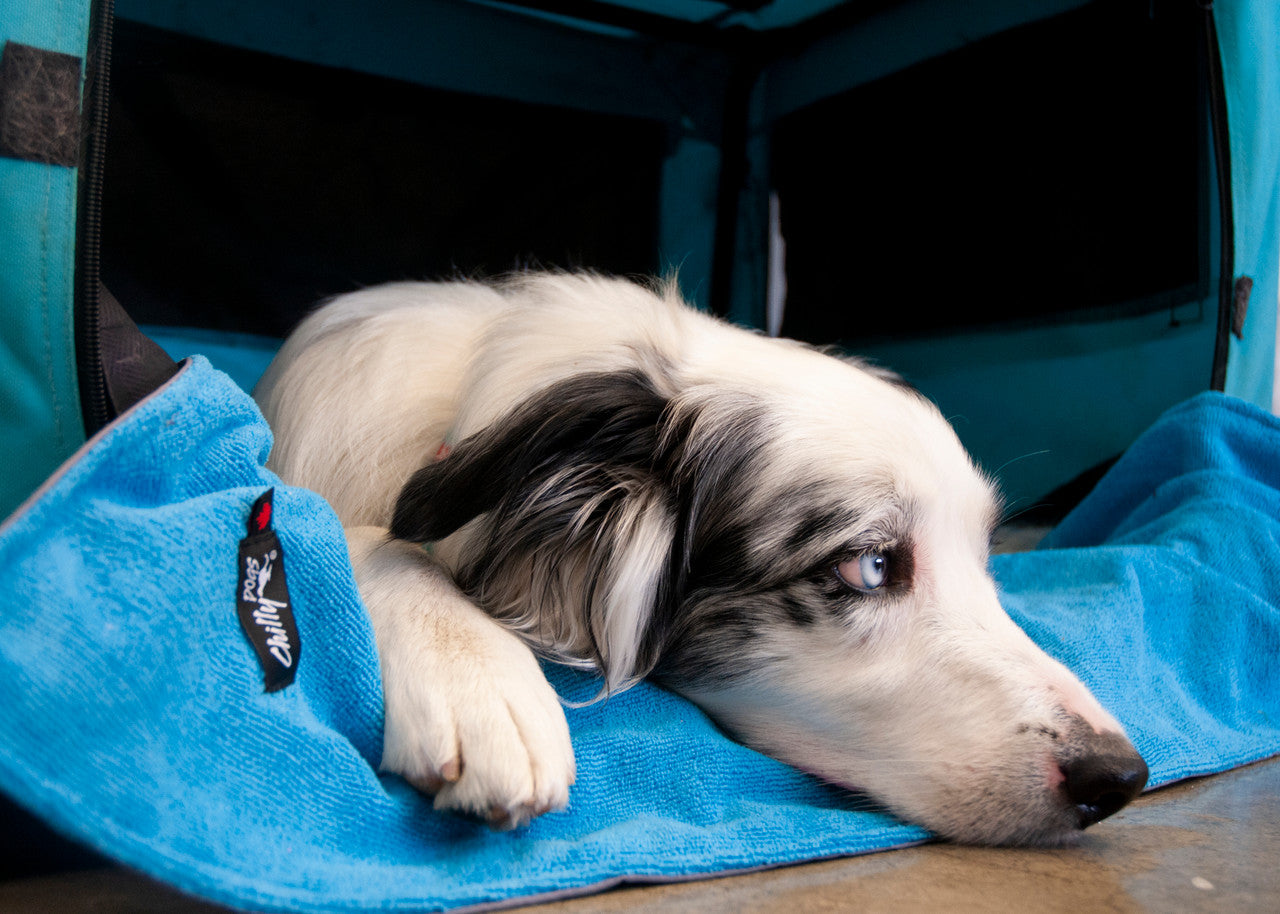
[604,420]
[575,545]
[603,503]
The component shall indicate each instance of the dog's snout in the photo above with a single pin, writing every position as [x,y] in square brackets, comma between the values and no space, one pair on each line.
[1101,779]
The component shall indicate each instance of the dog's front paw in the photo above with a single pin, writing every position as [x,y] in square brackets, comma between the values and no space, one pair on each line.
[478,726]
[469,716]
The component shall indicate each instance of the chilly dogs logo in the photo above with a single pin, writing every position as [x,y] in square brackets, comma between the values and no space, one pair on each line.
[262,596]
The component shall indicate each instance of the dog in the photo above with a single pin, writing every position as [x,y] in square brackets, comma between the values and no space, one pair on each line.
[587,469]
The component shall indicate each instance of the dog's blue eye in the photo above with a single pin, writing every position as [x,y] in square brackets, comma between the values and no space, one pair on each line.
[865,572]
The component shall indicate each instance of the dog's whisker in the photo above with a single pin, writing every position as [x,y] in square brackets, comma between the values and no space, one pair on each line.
[1008,463]
[1010,518]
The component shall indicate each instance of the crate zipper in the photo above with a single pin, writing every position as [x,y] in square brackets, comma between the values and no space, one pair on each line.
[95,405]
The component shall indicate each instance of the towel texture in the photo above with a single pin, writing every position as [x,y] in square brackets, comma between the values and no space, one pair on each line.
[1161,589]
[134,716]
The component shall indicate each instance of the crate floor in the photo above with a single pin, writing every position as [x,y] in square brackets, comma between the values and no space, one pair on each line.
[1203,845]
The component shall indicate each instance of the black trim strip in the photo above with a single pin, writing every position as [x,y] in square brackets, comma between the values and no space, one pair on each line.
[1222,163]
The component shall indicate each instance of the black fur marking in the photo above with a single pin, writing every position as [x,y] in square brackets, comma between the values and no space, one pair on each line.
[719,633]
[710,475]
[556,477]
[816,525]
[592,420]
[737,598]
[798,610]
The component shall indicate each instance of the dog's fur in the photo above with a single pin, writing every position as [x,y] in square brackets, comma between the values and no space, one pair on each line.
[795,541]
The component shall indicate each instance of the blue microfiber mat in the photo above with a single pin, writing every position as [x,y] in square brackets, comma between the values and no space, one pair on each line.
[133,716]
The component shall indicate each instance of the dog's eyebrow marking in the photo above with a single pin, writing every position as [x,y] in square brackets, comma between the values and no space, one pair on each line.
[818,525]
[812,538]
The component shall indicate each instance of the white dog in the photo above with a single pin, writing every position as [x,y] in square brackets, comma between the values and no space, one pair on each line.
[602,475]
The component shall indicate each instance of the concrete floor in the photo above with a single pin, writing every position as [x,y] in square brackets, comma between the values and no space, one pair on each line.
[1206,845]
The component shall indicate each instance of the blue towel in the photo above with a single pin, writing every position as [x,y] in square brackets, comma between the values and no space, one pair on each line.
[1161,590]
[133,715]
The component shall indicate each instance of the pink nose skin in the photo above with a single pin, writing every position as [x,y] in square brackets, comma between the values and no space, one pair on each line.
[1101,773]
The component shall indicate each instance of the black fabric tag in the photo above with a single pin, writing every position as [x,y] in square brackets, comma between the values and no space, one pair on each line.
[262,596]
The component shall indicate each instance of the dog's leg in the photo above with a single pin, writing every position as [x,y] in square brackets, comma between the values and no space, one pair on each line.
[469,716]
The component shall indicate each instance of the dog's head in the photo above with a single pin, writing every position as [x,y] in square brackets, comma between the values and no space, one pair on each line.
[798,544]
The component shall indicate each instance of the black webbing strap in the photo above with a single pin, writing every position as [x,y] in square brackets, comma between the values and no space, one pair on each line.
[133,365]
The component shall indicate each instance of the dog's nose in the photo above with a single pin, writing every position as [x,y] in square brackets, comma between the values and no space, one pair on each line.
[1103,779]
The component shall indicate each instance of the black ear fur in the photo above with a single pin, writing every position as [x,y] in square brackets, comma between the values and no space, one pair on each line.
[563,478]
[596,419]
